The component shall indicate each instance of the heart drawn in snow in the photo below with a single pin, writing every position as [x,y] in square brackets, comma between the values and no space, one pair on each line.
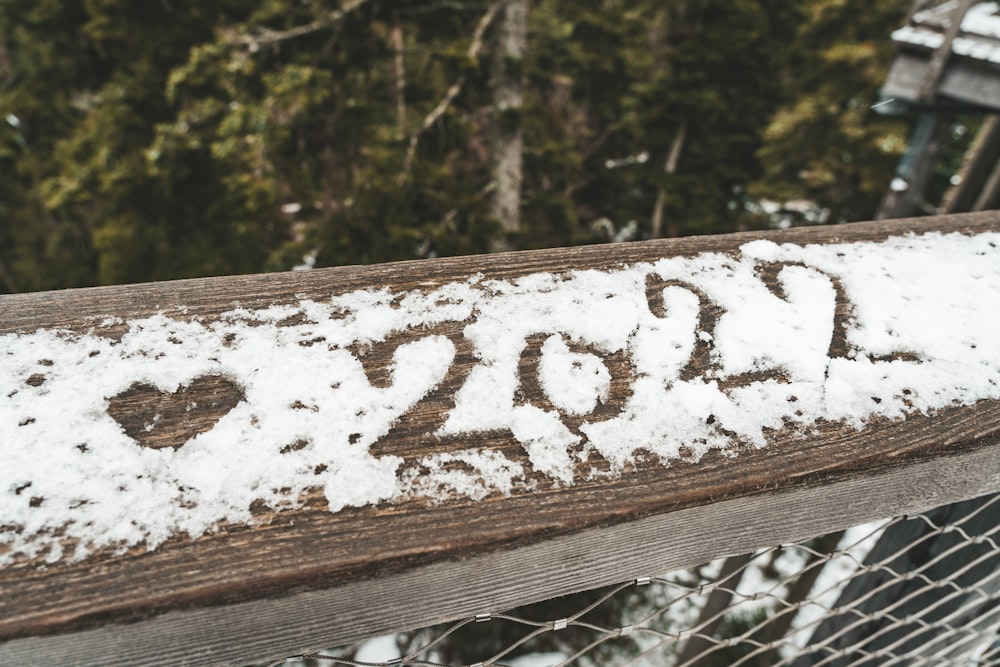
[158,419]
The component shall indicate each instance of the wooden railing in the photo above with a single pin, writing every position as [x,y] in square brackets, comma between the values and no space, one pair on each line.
[227,469]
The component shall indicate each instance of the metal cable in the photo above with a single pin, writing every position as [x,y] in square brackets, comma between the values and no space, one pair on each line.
[914,590]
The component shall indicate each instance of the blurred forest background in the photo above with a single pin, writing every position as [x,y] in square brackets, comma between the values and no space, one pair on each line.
[169,138]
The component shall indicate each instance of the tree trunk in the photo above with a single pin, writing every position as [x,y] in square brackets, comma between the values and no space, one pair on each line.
[508,99]
[714,610]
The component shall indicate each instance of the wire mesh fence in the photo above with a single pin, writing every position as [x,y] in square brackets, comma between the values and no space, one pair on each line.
[913,590]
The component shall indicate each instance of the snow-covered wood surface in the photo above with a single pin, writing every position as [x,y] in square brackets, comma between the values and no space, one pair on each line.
[226,469]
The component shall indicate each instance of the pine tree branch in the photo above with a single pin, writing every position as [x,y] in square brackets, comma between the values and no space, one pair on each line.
[265,36]
[475,47]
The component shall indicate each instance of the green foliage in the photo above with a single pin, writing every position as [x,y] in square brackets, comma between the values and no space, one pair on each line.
[826,144]
[166,140]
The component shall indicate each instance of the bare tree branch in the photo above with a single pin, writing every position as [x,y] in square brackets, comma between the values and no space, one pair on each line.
[6,69]
[447,222]
[265,36]
[399,75]
[670,167]
[475,47]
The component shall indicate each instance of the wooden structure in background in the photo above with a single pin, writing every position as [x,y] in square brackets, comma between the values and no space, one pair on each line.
[949,53]
[947,62]
[306,578]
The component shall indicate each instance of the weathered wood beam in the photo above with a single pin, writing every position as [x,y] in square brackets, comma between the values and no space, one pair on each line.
[963,81]
[980,161]
[655,358]
[939,57]
[989,198]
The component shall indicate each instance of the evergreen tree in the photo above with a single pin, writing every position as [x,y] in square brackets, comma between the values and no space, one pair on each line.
[180,139]
[826,144]
[45,71]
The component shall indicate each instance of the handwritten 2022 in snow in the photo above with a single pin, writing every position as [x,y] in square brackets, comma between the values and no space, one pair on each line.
[720,350]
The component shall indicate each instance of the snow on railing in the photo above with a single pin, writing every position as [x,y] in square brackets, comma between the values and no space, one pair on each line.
[168,448]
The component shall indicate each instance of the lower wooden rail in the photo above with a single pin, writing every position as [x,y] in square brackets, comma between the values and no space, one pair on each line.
[223,470]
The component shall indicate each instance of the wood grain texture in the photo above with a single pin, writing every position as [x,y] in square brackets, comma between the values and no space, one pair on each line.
[306,578]
[244,632]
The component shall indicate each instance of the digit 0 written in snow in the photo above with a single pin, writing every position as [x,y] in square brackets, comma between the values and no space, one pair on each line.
[178,425]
